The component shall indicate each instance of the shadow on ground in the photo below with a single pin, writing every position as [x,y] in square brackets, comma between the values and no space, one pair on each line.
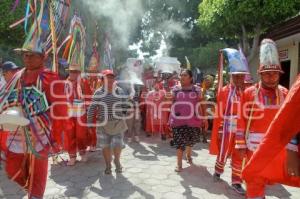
[118,187]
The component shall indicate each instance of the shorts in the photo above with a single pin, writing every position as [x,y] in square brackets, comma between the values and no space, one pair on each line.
[112,141]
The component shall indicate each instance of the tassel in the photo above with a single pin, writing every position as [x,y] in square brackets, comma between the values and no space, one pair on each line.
[29,144]
[26,16]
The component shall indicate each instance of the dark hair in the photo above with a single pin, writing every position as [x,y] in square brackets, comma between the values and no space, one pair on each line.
[189,72]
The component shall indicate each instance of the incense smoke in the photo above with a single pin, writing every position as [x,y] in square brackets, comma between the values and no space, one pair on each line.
[171,27]
[124,16]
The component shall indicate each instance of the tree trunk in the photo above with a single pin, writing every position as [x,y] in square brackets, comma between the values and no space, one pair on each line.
[245,42]
[255,43]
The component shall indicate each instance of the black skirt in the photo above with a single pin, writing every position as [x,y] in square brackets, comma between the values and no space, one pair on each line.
[184,136]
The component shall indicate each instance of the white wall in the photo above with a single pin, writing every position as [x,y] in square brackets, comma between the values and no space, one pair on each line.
[291,43]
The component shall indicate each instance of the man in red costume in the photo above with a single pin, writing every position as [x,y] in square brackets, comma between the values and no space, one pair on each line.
[59,125]
[282,163]
[27,162]
[79,94]
[94,81]
[260,104]
[156,115]
[224,125]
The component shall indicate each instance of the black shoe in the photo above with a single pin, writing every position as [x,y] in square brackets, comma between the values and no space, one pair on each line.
[216,177]
[148,135]
[238,188]
[163,137]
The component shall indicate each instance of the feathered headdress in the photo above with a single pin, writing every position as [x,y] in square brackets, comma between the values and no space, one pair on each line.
[94,63]
[235,64]
[248,78]
[268,57]
[75,48]
[49,19]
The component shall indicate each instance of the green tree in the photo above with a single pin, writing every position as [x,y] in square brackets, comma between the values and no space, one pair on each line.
[244,20]
[204,57]
[173,21]
[10,38]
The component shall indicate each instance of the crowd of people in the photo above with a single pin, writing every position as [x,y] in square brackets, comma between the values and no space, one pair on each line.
[45,113]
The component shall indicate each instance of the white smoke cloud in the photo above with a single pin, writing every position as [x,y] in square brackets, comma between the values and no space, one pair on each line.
[171,27]
[124,14]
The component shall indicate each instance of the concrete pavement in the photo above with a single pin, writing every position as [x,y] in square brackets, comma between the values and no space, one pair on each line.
[149,173]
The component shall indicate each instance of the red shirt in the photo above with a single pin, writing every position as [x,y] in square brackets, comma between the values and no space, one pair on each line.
[224,109]
[49,84]
[264,104]
[269,160]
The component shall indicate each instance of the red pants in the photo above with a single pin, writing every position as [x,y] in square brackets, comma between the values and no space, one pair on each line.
[92,138]
[256,186]
[3,138]
[77,136]
[58,128]
[28,171]
[227,149]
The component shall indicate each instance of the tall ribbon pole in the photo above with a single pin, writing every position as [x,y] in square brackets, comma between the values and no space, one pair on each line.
[53,34]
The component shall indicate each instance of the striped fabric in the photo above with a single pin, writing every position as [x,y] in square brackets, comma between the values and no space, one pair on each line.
[16,140]
[107,106]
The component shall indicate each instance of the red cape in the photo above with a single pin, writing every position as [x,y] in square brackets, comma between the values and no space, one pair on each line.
[271,155]
[221,102]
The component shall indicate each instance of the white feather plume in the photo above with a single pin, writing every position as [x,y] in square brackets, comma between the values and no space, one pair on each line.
[268,53]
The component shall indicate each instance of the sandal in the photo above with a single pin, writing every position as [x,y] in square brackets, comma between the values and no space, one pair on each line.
[178,169]
[107,171]
[189,160]
[119,168]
